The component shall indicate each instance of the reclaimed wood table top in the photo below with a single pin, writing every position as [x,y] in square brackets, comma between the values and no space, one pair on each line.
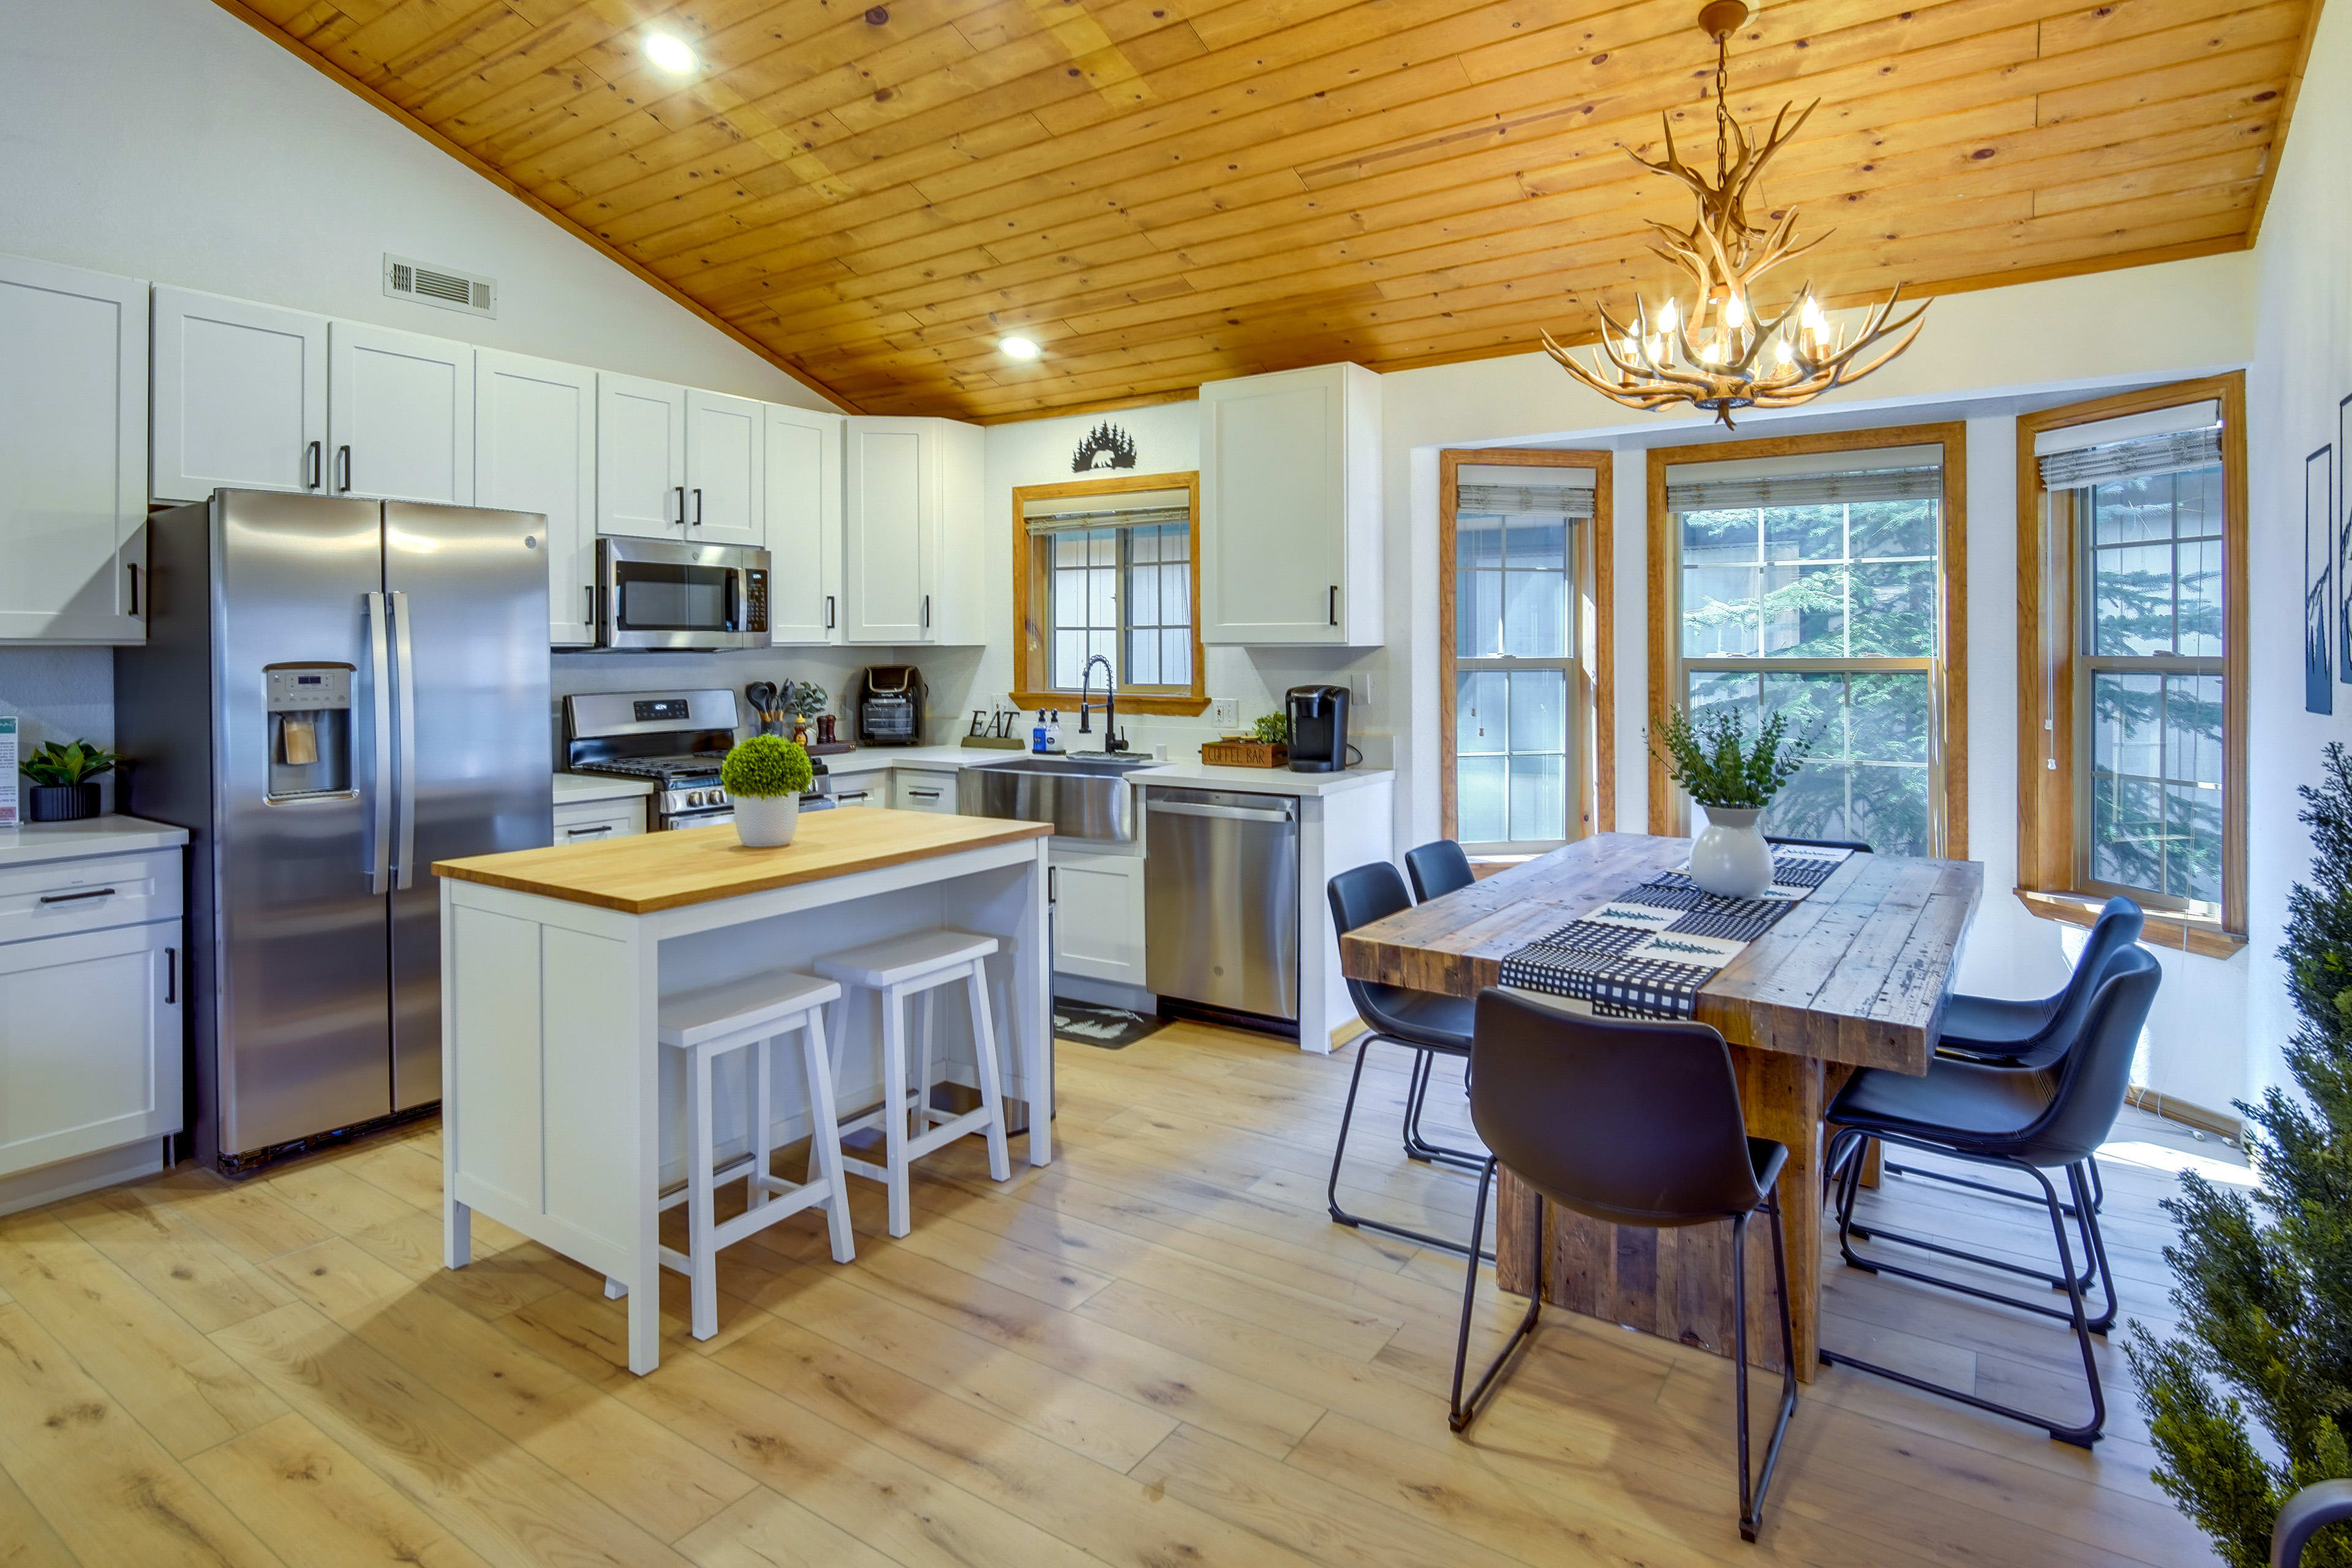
[643,873]
[1858,972]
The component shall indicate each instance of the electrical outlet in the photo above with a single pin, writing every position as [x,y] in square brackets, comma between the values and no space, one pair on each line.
[1359,688]
[1225,712]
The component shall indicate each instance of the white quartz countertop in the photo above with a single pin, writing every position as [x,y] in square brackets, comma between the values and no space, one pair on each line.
[38,841]
[578,789]
[1175,772]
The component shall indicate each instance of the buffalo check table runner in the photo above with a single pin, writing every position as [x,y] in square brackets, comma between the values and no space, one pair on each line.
[1647,952]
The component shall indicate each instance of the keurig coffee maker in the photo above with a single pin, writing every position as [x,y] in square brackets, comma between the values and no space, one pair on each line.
[1319,729]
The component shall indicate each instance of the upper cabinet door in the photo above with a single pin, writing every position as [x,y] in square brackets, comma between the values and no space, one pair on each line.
[400,415]
[240,397]
[1290,513]
[725,444]
[535,451]
[801,483]
[640,457]
[73,454]
[889,486]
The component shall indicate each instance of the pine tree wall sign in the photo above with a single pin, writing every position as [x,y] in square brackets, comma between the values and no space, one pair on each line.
[1105,447]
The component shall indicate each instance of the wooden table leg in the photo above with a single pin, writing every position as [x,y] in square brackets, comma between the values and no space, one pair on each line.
[1676,1283]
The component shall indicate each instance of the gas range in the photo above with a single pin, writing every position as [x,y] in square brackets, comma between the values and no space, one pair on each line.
[676,740]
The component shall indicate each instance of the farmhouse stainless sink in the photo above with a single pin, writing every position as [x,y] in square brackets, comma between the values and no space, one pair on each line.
[1086,796]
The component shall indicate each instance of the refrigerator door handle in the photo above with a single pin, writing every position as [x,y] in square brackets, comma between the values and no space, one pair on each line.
[406,788]
[379,869]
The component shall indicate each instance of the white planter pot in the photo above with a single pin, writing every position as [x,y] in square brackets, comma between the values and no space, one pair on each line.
[766,821]
[1731,859]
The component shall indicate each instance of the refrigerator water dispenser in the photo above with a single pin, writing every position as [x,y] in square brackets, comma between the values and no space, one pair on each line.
[310,709]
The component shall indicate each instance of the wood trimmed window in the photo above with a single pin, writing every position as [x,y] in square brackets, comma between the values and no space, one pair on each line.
[1108,566]
[1529,632]
[1790,597]
[2131,691]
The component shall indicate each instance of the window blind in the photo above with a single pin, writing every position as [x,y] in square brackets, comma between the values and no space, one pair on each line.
[1523,500]
[1921,482]
[2173,452]
[1131,509]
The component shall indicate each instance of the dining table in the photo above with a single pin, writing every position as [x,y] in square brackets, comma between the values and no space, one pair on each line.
[1856,974]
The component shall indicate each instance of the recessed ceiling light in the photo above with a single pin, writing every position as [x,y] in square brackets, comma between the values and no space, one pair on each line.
[668,53]
[1018,348]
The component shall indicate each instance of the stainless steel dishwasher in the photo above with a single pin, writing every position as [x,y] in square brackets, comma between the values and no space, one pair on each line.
[1221,900]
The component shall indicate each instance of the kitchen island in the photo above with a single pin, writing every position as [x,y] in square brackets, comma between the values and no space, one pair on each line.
[554,962]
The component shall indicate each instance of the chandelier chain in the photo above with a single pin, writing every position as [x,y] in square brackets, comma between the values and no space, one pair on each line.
[1722,112]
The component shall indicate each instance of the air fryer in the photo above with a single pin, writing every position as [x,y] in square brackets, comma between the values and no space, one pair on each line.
[890,706]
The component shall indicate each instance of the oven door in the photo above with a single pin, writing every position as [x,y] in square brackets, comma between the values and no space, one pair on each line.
[651,594]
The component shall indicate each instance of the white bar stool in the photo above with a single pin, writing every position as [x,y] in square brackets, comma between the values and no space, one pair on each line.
[894,970]
[752,1015]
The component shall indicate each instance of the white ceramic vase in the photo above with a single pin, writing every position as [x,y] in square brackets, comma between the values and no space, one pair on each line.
[1731,859]
[766,821]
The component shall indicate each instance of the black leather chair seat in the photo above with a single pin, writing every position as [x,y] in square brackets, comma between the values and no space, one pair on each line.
[1955,1103]
[1420,1017]
[1996,1025]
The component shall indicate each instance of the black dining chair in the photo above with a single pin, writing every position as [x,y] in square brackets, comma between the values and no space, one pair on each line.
[2034,1119]
[1426,1023]
[2035,1033]
[1437,868]
[1635,1124]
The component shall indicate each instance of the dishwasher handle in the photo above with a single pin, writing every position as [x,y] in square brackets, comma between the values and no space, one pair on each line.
[1229,812]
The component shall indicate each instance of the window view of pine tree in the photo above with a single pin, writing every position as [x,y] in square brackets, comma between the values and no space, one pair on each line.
[1145,628]
[1513,643]
[2150,679]
[1827,613]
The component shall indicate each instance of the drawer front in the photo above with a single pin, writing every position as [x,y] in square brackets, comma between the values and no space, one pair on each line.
[869,788]
[599,819]
[56,898]
[922,790]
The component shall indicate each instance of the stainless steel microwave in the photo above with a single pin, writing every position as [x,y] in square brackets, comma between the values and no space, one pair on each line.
[654,594]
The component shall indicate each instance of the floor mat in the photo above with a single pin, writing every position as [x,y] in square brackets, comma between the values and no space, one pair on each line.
[1112,1028]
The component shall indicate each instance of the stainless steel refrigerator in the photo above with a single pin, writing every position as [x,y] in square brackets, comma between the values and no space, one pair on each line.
[333,695]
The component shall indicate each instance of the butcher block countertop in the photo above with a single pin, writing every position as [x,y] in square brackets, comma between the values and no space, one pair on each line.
[644,873]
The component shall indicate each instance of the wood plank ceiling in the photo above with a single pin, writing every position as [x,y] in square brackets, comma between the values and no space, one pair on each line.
[1164,192]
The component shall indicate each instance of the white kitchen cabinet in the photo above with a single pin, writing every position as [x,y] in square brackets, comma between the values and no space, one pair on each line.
[587,819]
[1098,915]
[535,451]
[1290,508]
[239,397]
[73,454]
[913,545]
[924,789]
[800,482]
[400,415]
[640,457]
[867,786]
[90,1042]
[725,442]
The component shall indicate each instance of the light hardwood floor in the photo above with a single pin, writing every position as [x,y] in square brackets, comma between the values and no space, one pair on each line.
[1157,1351]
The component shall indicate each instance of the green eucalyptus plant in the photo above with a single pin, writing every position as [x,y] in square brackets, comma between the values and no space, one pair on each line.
[1273,729]
[807,699]
[66,764]
[766,765]
[1711,759]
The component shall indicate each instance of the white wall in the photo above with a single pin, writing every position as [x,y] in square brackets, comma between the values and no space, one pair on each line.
[2303,367]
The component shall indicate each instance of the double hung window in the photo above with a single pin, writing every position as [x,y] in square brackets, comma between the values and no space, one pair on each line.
[1109,574]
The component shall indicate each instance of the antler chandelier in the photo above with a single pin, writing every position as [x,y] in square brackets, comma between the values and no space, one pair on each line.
[1723,353]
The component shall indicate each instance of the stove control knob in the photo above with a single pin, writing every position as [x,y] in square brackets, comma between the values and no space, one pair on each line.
[694,797]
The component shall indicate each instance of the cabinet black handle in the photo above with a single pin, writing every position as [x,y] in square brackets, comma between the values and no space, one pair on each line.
[828,612]
[681,506]
[170,976]
[927,612]
[134,568]
[69,897]
[343,464]
[598,830]
[312,455]
[591,604]
[1335,604]
[697,506]
[1053,883]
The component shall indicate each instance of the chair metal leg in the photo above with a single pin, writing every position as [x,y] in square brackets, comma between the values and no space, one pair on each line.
[2086,1222]
[2098,1188]
[1459,1412]
[1339,1153]
[1418,1148]
[1751,1497]
[2074,1317]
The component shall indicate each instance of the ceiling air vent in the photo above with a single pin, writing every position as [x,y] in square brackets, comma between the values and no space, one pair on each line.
[440,287]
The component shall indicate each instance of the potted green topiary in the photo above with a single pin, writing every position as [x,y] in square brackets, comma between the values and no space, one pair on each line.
[765,776]
[65,781]
[1735,782]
